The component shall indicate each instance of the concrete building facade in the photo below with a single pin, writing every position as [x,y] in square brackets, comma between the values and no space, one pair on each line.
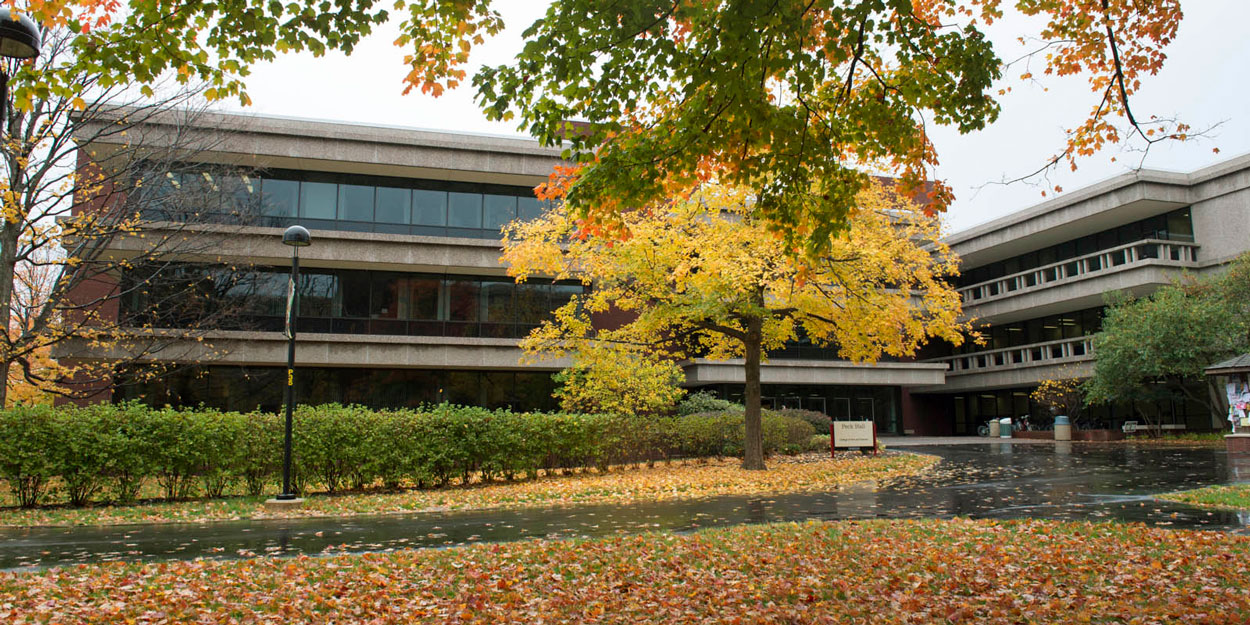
[405,301]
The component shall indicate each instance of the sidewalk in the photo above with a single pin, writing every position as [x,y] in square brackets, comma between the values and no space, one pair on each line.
[919,441]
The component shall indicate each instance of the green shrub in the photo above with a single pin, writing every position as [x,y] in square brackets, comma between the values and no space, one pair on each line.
[83,453]
[818,420]
[257,458]
[818,442]
[27,435]
[336,447]
[704,401]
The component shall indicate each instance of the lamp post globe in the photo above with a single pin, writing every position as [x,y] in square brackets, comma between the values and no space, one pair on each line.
[295,237]
[19,39]
[19,36]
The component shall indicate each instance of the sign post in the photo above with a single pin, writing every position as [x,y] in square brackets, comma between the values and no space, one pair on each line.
[847,434]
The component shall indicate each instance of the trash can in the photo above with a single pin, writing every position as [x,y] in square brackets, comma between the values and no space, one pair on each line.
[993,428]
[1004,427]
[1063,428]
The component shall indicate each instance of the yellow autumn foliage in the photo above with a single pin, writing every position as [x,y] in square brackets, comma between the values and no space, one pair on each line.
[690,273]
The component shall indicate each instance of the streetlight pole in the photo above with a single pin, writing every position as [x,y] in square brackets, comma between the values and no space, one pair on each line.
[296,237]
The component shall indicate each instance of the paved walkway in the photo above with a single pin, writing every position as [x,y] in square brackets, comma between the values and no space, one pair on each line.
[916,441]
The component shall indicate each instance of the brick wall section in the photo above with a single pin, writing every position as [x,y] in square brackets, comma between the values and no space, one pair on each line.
[926,415]
[98,293]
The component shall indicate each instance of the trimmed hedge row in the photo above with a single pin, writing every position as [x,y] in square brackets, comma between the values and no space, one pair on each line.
[112,450]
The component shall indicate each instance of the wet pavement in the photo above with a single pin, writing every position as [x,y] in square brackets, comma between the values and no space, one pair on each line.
[991,480]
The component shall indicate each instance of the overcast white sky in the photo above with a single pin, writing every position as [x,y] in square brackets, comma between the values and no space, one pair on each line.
[1204,83]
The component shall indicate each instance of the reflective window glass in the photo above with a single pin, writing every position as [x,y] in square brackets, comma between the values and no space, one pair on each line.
[529,208]
[355,202]
[464,210]
[462,300]
[354,286]
[499,211]
[384,297]
[393,205]
[423,298]
[429,208]
[318,296]
[497,301]
[279,198]
[318,200]
[532,299]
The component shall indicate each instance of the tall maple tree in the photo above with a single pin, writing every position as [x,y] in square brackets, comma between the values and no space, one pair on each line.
[798,99]
[702,276]
[802,100]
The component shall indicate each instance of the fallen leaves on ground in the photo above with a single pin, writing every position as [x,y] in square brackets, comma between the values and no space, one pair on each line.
[689,480]
[931,571]
[1227,497]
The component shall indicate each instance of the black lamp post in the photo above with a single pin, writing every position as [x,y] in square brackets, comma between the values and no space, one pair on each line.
[19,39]
[296,237]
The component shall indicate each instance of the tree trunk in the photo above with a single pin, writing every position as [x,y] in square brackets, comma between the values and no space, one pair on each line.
[8,271]
[753,447]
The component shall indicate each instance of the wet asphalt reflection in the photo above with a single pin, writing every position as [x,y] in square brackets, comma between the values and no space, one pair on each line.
[994,480]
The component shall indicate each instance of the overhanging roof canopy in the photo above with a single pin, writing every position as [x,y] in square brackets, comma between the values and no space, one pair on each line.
[1238,364]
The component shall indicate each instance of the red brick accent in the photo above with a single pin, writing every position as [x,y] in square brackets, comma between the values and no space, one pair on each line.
[926,415]
[92,391]
[1237,443]
[1033,435]
[1097,435]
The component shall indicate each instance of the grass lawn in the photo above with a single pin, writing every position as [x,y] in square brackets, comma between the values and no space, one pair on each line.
[677,481]
[1187,438]
[1227,496]
[929,571]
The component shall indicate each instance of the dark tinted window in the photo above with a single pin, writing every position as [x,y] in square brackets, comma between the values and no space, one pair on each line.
[393,205]
[355,202]
[464,210]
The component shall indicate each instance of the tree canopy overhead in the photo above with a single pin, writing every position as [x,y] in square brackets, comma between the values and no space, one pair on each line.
[800,99]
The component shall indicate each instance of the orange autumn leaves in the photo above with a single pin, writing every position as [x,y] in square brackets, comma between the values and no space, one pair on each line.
[915,572]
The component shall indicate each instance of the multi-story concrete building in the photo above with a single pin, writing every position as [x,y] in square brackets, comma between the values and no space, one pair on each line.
[405,301]
[1038,280]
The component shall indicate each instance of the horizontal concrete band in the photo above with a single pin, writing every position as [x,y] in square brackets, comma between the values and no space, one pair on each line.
[1077,292]
[350,250]
[332,350]
[274,142]
[1013,376]
[816,372]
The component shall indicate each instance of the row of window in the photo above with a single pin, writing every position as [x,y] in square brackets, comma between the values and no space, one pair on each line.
[343,301]
[341,202]
[971,411]
[1173,226]
[251,388]
[1043,329]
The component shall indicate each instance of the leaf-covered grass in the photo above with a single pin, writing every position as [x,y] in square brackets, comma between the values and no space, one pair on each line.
[1214,438]
[621,485]
[931,571]
[1227,496]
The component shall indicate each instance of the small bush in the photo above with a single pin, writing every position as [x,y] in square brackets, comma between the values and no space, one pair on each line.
[704,401]
[818,442]
[28,436]
[818,420]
